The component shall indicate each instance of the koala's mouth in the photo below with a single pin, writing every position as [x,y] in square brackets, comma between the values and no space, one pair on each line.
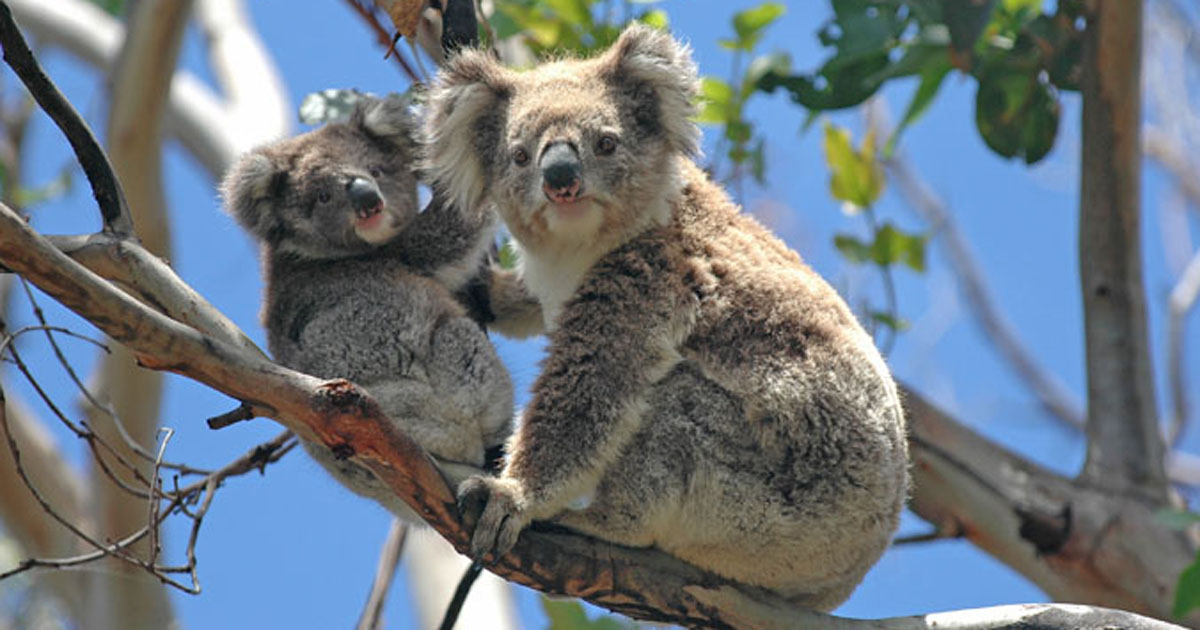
[372,224]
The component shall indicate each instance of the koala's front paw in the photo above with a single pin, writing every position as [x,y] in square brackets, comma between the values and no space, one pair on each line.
[499,504]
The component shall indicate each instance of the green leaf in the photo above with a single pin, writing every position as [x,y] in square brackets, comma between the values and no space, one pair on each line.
[893,246]
[656,18]
[891,321]
[716,101]
[1187,591]
[326,106]
[1016,113]
[931,82]
[1014,6]
[569,615]
[749,24]
[854,176]
[966,21]
[573,11]
[777,62]
[738,131]
[852,249]
[112,7]
[507,255]
[1177,519]
[758,163]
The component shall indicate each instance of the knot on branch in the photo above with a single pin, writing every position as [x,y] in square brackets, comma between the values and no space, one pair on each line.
[341,397]
[1048,533]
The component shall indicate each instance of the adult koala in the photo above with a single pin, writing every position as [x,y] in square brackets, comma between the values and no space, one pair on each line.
[704,390]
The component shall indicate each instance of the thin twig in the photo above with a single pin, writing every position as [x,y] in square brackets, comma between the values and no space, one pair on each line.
[383,36]
[385,572]
[241,413]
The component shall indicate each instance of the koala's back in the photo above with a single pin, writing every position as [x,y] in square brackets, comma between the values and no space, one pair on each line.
[774,452]
[403,337]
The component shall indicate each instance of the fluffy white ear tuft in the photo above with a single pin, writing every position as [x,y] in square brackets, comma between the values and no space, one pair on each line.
[390,117]
[652,58]
[463,126]
[255,178]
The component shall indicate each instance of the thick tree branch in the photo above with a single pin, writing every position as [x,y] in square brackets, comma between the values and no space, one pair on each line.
[1076,542]
[644,584]
[1125,447]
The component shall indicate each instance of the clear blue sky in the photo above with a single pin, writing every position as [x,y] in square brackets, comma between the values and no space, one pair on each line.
[292,549]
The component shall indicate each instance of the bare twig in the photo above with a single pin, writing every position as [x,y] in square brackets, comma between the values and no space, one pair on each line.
[96,166]
[366,10]
[241,413]
[385,572]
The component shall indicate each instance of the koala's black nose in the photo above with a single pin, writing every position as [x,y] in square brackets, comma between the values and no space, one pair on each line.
[561,172]
[364,195]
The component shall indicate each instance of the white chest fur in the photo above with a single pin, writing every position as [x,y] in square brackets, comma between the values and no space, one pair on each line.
[554,277]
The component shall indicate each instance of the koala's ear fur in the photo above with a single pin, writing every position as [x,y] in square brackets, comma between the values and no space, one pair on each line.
[463,125]
[390,118]
[648,57]
[255,178]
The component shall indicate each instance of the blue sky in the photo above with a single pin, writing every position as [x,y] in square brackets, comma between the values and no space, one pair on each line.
[292,549]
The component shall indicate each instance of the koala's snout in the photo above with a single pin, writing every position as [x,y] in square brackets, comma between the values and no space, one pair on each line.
[365,197]
[561,173]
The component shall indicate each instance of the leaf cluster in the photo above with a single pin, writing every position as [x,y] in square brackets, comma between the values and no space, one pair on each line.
[1020,56]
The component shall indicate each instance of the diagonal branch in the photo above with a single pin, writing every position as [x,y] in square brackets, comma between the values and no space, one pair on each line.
[642,583]
[1048,389]
[1125,447]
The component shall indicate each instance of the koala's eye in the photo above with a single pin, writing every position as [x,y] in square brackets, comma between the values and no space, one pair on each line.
[520,157]
[323,196]
[606,144]
[375,171]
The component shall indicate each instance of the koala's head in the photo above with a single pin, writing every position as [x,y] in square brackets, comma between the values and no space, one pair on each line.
[569,150]
[337,191]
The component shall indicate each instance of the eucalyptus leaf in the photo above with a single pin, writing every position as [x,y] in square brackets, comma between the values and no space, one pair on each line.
[1187,591]
[326,106]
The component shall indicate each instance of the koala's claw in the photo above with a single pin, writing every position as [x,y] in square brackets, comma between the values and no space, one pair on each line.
[501,520]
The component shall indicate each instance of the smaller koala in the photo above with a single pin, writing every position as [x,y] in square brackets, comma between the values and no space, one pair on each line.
[360,285]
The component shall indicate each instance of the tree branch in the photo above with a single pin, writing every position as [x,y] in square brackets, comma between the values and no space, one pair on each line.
[1076,542]
[1046,387]
[1125,448]
[389,560]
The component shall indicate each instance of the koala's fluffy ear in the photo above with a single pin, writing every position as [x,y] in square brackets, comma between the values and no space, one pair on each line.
[645,58]
[390,118]
[463,125]
[253,180]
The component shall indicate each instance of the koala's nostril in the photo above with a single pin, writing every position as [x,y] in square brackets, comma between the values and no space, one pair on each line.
[364,195]
[561,169]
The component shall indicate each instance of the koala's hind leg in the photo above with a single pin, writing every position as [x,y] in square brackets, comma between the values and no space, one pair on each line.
[472,383]
[641,500]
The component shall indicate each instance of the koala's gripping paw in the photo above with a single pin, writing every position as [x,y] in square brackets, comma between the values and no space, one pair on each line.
[501,517]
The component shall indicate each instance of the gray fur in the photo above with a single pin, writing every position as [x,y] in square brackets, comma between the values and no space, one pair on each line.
[704,391]
[372,301]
